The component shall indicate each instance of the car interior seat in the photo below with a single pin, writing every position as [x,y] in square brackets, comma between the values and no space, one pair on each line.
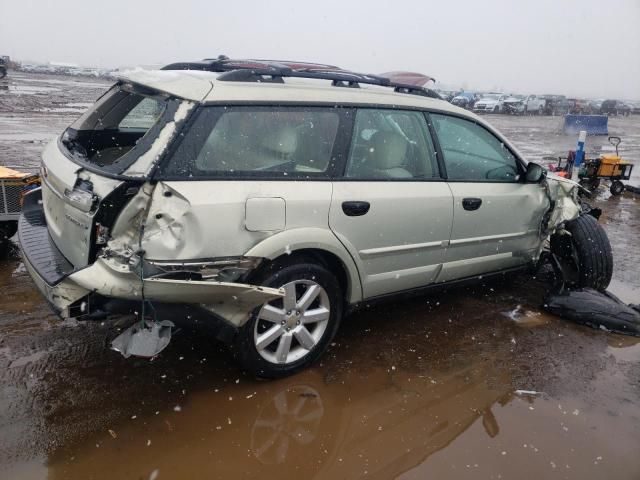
[388,152]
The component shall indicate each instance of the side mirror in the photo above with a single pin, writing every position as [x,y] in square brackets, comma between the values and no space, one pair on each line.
[535,173]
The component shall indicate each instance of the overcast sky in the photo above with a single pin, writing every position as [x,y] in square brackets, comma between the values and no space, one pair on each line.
[575,47]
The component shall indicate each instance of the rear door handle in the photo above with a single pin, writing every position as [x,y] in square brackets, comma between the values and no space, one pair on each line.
[355,208]
[471,203]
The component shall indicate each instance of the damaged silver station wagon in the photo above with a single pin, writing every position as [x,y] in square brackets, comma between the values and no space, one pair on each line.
[272,198]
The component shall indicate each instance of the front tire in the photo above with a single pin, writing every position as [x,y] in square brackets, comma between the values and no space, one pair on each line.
[587,250]
[287,335]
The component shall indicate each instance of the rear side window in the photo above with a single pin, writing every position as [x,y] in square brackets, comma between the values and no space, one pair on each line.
[119,127]
[391,145]
[472,153]
[258,141]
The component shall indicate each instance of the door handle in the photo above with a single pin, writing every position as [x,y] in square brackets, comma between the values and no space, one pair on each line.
[355,208]
[471,203]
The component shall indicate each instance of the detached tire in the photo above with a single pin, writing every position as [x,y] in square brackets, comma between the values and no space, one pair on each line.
[592,251]
[287,335]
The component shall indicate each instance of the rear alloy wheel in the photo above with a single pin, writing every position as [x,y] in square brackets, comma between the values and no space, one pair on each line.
[286,335]
[617,187]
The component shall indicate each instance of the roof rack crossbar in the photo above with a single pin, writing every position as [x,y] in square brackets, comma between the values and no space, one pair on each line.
[270,71]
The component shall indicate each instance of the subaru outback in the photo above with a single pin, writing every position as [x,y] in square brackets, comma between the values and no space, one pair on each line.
[273,198]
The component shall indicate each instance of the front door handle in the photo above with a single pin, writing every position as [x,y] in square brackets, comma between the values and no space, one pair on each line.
[471,203]
[355,208]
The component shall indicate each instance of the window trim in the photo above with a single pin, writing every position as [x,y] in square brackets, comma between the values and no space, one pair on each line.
[341,153]
[519,162]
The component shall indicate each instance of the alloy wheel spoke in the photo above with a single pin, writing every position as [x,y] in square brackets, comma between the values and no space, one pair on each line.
[268,337]
[290,297]
[284,346]
[320,314]
[271,314]
[309,296]
[304,337]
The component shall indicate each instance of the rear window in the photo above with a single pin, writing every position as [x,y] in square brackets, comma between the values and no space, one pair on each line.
[258,141]
[121,121]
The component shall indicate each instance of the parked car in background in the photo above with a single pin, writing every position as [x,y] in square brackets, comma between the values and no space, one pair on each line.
[465,100]
[558,105]
[447,95]
[490,103]
[635,108]
[615,107]
[4,65]
[535,105]
[580,106]
[514,105]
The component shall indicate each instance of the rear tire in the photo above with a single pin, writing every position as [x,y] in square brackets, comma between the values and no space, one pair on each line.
[297,340]
[591,249]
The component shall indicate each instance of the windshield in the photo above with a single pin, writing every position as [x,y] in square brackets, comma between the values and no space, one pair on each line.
[492,96]
[119,122]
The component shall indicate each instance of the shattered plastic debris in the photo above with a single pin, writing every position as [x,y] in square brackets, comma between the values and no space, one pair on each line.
[143,339]
[522,316]
[527,393]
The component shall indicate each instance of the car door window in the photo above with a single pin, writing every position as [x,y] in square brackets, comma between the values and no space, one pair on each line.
[472,153]
[391,145]
[280,142]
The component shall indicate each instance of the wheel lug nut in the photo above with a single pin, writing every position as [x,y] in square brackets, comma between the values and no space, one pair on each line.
[298,322]
[282,322]
[288,329]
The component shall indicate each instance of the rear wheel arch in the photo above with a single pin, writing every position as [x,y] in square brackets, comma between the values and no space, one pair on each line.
[324,250]
[315,256]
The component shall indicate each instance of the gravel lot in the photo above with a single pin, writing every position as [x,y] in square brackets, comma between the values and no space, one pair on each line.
[425,388]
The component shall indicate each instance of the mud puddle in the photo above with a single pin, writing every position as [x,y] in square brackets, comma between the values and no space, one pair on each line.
[424,388]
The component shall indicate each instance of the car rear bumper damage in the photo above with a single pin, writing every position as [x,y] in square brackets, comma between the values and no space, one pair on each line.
[110,281]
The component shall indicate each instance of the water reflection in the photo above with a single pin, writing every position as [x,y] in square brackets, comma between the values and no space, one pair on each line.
[383,422]
[290,419]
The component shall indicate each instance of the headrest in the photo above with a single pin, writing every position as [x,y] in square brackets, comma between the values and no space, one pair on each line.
[388,150]
[283,141]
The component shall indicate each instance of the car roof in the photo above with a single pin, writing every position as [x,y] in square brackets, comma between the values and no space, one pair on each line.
[204,87]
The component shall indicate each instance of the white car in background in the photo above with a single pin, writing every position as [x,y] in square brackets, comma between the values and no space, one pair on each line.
[535,104]
[491,103]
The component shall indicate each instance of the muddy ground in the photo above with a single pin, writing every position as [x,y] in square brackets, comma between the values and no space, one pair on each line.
[425,388]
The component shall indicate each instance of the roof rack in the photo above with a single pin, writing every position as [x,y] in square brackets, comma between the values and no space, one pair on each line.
[273,71]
